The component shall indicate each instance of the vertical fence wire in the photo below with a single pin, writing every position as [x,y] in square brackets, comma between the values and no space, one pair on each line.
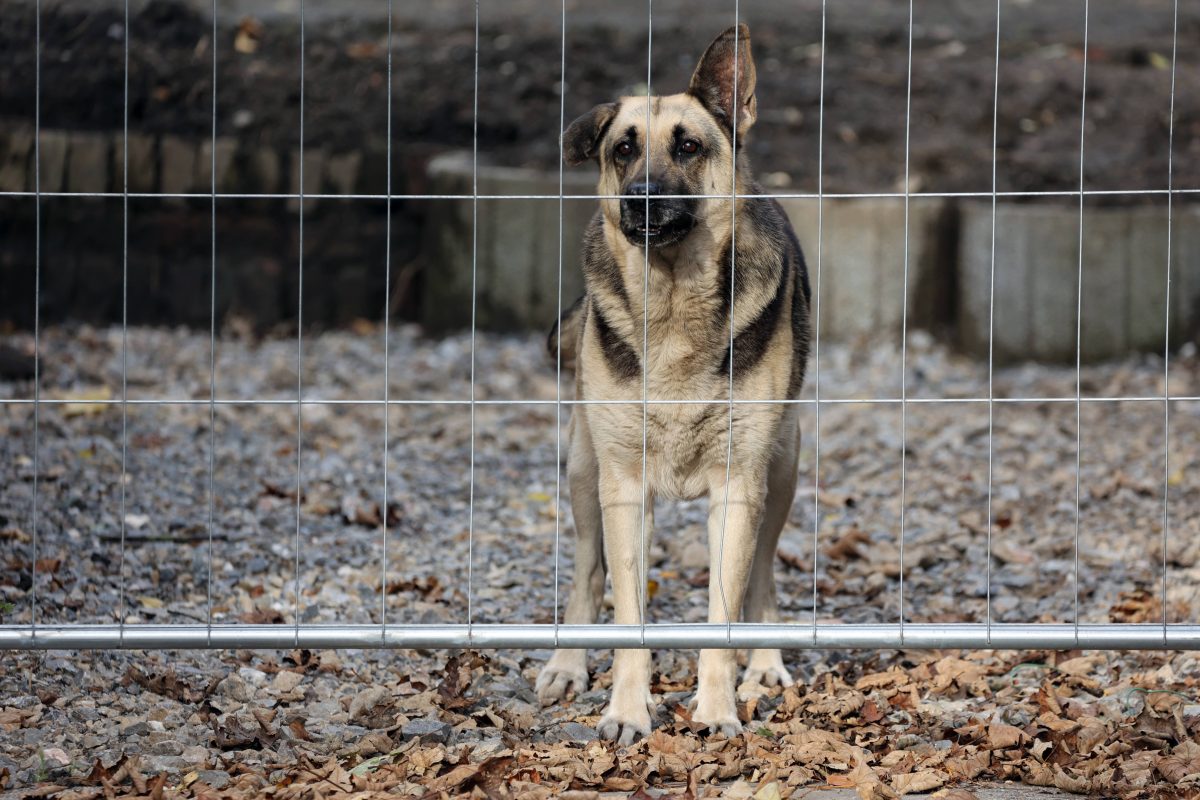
[1166,514]
[1079,321]
[387,300]
[733,120]
[817,323]
[904,321]
[124,322]
[474,308]
[212,344]
[645,331]
[299,345]
[37,312]
[992,329]
[562,118]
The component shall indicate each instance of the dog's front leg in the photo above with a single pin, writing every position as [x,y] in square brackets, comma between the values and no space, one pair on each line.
[626,545]
[567,669]
[734,508]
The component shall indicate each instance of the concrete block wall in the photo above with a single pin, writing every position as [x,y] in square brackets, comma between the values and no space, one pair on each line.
[1037,269]
[170,239]
[516,252]
[86,161]
[862,254]
[862,248]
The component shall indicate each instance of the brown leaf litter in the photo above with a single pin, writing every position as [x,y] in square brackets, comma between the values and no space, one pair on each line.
[928,723]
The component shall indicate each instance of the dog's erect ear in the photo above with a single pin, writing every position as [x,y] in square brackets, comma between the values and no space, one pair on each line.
[713,81]
[582,137]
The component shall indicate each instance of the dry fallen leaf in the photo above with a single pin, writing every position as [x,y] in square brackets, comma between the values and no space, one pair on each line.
[249,33]
[84,402]
[920,781]
[1081,666]
[954,794]
[864,781]
[1002,736]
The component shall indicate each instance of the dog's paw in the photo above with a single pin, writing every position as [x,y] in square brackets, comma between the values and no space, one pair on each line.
[773,675]
[624,729]
[726,725]
[627,717]
[555,681]
[718,715]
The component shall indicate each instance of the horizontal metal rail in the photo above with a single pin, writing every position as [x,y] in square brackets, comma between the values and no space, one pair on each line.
[542,196]
[914,636]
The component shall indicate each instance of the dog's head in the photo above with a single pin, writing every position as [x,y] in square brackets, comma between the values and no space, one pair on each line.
[663,153]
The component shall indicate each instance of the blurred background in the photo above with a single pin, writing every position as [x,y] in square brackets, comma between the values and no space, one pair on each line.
[258,150]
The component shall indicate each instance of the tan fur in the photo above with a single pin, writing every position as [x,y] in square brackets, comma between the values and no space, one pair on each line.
[668,308]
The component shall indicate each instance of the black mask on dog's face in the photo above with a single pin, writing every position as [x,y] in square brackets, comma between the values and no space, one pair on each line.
[657,209]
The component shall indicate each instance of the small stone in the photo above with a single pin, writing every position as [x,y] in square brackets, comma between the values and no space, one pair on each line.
[427,730]
[134,727]
[56,755]
[167,747]
[571,732]
[255,677]
[153,765]
[486,748]
[213,777]
[286,681]
[234,687]
[196,755]
[85,714]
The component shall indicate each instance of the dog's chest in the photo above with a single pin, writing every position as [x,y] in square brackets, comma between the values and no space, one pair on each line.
[687,413]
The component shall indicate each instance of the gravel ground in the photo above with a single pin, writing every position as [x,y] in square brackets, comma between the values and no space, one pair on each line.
[184,712]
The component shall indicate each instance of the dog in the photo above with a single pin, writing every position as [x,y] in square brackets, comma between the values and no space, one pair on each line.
[662,260]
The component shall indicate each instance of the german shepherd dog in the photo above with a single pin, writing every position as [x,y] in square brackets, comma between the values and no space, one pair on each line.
[666,266]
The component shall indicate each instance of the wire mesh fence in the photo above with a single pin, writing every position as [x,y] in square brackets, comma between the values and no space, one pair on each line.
[37,630]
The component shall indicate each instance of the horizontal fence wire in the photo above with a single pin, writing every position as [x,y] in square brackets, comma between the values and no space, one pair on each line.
[654,401]
[902,633]
[483,196]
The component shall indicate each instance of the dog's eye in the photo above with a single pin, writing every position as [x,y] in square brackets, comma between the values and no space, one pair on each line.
[689,146]
[623,149]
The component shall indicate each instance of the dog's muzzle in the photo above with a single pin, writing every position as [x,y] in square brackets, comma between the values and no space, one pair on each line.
[669,219]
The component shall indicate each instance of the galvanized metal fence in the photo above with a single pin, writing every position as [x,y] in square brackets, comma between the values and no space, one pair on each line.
[37,635]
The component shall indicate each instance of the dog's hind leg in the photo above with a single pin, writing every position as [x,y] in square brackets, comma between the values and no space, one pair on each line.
[766,666]
[567,669]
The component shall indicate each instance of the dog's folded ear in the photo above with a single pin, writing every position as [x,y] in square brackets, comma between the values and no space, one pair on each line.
[581,139]
[713,82]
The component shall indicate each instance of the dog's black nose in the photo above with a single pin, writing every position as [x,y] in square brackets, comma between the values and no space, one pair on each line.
[644,188]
